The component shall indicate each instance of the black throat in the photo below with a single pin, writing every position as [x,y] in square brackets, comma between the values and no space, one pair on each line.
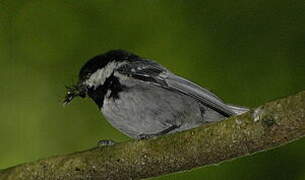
[111,84]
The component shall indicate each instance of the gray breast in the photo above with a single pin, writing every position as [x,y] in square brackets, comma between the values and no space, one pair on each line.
[144,108]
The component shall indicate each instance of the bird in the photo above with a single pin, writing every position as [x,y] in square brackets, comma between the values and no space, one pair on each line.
[143,99]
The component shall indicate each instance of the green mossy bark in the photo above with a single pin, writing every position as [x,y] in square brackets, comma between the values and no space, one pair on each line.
[273,124]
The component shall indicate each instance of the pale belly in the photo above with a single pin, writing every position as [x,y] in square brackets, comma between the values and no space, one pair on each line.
[151,109]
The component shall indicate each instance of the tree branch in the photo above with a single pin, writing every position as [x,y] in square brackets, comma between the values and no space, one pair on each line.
[273,124]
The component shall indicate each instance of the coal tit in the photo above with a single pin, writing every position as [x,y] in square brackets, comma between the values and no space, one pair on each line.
[143,99]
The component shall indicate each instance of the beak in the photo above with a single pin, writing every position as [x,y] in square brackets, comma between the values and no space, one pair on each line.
[74,91]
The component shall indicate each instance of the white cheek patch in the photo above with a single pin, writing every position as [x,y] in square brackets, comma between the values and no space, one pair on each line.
[99,77]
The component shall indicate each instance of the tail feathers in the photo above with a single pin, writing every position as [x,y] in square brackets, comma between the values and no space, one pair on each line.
[238,109]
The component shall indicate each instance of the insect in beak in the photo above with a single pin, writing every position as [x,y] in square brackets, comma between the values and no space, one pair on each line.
[73,92]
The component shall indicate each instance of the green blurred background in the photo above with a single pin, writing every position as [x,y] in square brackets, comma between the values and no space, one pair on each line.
[246,51]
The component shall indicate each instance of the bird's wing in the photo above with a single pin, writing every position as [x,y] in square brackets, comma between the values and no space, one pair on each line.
[156,74]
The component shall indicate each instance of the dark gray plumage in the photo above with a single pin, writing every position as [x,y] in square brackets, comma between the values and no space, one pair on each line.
[142,99]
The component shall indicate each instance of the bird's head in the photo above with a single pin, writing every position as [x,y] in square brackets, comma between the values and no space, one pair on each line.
[95,72]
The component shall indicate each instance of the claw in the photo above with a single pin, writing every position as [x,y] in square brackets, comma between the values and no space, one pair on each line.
[146,136]
[104,142]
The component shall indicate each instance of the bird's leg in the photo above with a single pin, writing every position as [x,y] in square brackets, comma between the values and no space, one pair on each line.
[165,131]
[102,143]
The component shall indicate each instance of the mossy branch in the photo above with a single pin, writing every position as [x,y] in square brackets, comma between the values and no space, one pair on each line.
[268,126]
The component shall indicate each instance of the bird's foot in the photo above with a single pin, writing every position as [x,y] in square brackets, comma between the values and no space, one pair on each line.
[155,135]
[147,136]
[103,143]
